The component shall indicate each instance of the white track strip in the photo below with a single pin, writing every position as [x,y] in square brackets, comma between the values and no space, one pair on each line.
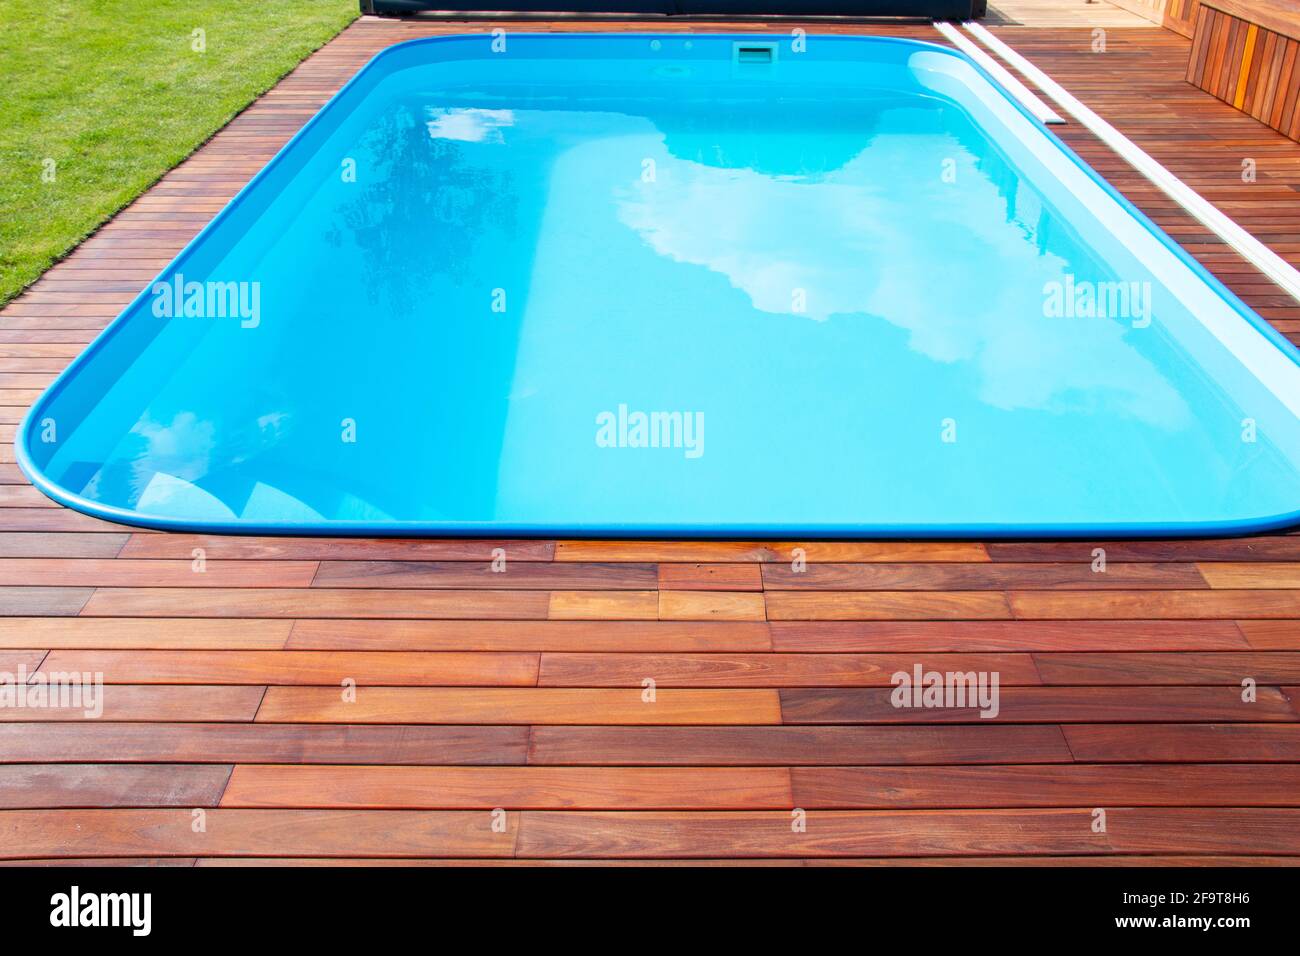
[1000,73]
[1263,258]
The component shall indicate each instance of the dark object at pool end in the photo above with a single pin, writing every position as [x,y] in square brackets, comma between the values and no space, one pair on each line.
[931,9]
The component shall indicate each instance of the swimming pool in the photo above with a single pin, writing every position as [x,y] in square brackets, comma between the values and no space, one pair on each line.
[680,285]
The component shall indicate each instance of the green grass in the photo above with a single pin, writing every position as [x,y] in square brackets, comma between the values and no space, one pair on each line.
[112,92]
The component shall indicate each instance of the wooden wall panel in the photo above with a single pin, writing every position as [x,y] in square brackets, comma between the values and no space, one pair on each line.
[1247,64]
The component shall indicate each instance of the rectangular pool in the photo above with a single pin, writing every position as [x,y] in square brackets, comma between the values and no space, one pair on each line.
[688,285]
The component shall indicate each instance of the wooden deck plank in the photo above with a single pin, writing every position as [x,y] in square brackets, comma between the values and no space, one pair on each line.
[603,605]
[417,669]
[987,576]
[338,549]
[162,832]
[1173,743]
[1279,635]
[316,602]
[978,636]
[887,605]
[100,785]
[157,633]
[113,573]
[1057,705]
[1182,668]
[61,545]
[710,577]
[465,788]
[108,742]
[1092,605]
[907,832]
[1176,785]
[481,705]
[128,702]
[766,670]
[1128,860]
[797,746]
[711,606]
[532,575]
[627,636]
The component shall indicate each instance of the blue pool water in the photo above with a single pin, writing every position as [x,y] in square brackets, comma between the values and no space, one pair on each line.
[636,284]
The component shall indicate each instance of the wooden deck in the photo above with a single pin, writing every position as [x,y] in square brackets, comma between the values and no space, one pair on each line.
[522,692]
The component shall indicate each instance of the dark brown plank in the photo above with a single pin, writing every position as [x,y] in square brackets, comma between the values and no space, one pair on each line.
[261,743]
[464,788]
[60,545]
[1185,785]
[127,702]
[798,746]
[104,785]
[1173,743]
[1044,705]
[42,601]
[1169,668]
[315,602]
[524,575]
[990,576]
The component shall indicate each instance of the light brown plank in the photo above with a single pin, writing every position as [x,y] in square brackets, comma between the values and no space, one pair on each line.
[195,634]
[77,833]
[711,606]
[111,573]
[603,606]
[710,577]
[766,670]
[1154,604]
[958,636]
[300,667]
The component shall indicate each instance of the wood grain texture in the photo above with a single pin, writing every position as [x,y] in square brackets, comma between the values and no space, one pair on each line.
[141,832]
[626,788]
[1253,69]
[479,689]
[103,785]
[497,705]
